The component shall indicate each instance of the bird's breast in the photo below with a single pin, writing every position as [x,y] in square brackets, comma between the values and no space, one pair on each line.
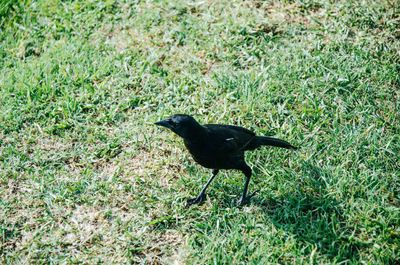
[201,154]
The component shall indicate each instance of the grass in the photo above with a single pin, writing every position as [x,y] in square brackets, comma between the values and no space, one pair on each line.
[86,178]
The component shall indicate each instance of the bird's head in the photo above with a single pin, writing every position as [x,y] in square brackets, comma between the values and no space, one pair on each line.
[183,125]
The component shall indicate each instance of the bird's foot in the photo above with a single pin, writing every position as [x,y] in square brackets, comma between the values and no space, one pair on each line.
[246,199]
[198,200]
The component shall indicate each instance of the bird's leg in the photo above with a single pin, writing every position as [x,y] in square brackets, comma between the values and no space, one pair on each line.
[200,198]
[244,199]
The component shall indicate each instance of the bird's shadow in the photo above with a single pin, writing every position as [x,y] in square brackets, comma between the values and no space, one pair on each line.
[309,212]
[313,216]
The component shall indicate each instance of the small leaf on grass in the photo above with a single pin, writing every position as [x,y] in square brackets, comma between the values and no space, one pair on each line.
[135,250]
[162,220]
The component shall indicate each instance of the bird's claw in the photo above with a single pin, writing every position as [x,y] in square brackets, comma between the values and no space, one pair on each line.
[198,200]
[246,199]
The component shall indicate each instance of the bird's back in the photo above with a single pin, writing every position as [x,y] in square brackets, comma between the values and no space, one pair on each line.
[230,129]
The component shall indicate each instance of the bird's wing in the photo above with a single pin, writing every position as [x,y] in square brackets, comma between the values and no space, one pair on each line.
[229,138]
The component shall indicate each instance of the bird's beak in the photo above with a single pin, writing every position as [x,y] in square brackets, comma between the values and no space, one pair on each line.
[163,123]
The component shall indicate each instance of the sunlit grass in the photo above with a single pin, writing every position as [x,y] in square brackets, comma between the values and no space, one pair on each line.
[85,177]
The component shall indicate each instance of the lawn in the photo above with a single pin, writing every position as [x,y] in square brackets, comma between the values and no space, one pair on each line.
[85,176]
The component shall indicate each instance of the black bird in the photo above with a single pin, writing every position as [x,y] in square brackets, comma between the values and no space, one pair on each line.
[219,146]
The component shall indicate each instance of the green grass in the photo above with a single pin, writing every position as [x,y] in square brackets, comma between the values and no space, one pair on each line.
[85,177]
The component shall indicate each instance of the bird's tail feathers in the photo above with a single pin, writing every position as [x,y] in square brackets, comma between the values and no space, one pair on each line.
[264,140]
